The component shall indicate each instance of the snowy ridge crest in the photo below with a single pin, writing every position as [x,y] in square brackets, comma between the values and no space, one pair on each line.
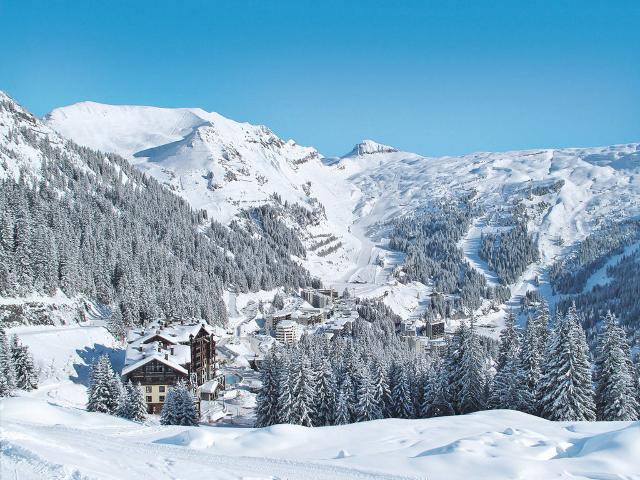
[368,147]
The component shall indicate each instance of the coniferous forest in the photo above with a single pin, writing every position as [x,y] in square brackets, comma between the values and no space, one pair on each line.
[544,369]
[91,224]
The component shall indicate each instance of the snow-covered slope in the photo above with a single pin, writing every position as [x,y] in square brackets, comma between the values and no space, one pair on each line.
[45,440]
[48,434]
[214,162]
[221,165]
[224,166]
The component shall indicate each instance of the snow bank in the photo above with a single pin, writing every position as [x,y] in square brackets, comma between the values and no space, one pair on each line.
[497,444]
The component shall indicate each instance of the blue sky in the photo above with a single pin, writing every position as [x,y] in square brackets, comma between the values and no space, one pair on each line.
[436,78]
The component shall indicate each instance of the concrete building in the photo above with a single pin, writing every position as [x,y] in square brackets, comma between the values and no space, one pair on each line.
[287,332]
[319,298]
[434,328]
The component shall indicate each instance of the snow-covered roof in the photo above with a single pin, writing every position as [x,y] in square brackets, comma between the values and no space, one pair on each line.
[159,357]
[180,354]
[149,343]
[287,324]
[209,387]
[149,336]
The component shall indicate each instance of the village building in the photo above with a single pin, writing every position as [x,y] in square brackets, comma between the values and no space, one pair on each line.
[434,328]
[319,298]
[161,354]
[287,332]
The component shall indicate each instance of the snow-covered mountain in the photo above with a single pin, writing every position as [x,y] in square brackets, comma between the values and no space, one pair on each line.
[214,162]
[84,216]
[225,166]
[222,166]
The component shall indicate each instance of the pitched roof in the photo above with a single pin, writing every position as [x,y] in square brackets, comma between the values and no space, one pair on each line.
[144,361]
[209,387]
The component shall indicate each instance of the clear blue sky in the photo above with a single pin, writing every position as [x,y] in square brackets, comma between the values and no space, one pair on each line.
[443,77]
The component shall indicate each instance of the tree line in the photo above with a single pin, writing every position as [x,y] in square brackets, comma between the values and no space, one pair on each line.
[543,369]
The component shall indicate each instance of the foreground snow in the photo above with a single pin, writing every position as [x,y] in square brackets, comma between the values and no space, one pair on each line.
[48,434]
[43,440]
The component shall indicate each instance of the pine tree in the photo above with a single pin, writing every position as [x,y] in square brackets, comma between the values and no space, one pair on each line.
[117,325]
[285,398]
[343,416]
[267,398]
[7,371]
[565,390]
[169,413]
[472,374]
[348,390]
[509,346]
[26,377]
[401,393]
[366,407]
[132,405]
[530,361]
[455,350]
[105,388]
[616,394]
[302,383]
[325,408]
[436,400]
[509,386]
[382,393]
[186,410]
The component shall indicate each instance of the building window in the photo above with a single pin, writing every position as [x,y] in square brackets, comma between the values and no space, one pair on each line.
[148,398]
[162,398]
[161,388]
[154,367]
[148,388]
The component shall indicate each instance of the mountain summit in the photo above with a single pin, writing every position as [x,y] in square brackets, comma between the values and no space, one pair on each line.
[367,147]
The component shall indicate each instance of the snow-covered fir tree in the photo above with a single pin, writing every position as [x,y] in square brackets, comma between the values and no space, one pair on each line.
[169,412]
[366,408]
[186,409]
[382,392]
[436,399]
[509,346]
[179,406]
[285,397]
[26,376]
[471,374]
[401,399]
[267,398]
[132,405]
[342,416]
[7,371]
[455,349]
[326,393]
[616,393]
[565,391]
[302,391]
[532,351]
[105,388]
[509,389]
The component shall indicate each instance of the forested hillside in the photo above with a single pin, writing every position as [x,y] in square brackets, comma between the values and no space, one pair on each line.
[601,276]
[88,223]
